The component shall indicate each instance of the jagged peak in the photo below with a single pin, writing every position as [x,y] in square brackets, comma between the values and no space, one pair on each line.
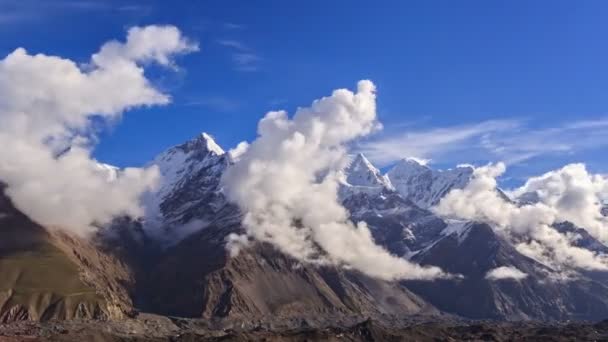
[361,161]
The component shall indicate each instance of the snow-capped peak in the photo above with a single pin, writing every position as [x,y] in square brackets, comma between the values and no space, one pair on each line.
[196,165]
[360,172]
[425,186]
[360,176]
[212,145]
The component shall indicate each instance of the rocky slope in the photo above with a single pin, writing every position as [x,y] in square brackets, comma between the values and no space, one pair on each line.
[196,278]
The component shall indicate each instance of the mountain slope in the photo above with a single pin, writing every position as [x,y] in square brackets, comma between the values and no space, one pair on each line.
[53,276]
[473,250]
[198,279]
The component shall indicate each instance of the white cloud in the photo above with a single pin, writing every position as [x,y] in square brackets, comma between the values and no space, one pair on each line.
[527,226]
[238,151]
[46,108]
[505,272]
[144,44]
[286,183]
[575,194]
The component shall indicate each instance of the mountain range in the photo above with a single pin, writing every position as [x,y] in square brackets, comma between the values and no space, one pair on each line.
[173,261]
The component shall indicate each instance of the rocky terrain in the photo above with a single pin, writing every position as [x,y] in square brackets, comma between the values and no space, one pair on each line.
[158,328]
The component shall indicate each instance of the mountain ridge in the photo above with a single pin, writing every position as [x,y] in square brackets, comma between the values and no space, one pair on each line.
[173,261]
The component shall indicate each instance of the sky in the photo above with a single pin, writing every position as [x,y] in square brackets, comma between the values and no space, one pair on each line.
[457,82]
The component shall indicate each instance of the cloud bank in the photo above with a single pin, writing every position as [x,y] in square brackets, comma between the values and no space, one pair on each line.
[529,226]
[47,109]
[286,183]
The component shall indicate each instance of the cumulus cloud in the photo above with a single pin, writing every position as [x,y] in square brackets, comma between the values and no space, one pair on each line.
[505,272]
[46,112]
[286,183]
[527,226]
[575,194]
[238,151]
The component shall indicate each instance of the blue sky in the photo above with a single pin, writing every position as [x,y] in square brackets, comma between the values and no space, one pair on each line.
[458,81]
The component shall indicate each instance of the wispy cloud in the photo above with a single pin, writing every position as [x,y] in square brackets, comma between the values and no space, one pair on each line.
[11,17]
[277,102]
[216,103]
[233,26]
[243,57]
[245,61]
[234,44]
[21,11]
[512,141]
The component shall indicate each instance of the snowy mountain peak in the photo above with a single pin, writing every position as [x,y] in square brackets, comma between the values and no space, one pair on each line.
[425,186]
[190,175]
[408,167]
[361,172]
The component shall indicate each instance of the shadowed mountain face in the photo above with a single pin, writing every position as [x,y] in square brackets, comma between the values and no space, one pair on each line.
[196,278]
[476,250]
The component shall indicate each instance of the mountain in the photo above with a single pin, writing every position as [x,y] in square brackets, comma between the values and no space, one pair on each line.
[173,261]
[395,207]
[471,249]
[189,196]
[262,285]
[194,277]
[425,186]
